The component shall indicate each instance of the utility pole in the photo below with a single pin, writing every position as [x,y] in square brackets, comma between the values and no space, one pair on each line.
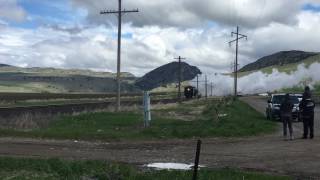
[238,37]
[197,86]
[197,82]
[179,77]
[211,89]
[206,86]
[119,12]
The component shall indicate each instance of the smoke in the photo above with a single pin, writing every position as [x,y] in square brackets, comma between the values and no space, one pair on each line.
[259,82]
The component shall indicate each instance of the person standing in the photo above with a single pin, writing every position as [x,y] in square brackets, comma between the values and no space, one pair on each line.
[286,116]
[307,113]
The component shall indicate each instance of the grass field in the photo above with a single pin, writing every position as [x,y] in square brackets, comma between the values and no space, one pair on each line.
[35,87]
[300,89]
[196,119]
[14,168]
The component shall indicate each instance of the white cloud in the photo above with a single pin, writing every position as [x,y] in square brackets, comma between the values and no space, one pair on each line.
[164,30]
[10,10]
[191,13]
[151,46]
[96,48]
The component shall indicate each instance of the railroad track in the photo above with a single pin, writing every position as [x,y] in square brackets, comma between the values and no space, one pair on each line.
[20,117]
[49,96]
[75,107]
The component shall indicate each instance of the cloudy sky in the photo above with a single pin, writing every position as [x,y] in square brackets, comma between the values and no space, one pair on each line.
[73,34]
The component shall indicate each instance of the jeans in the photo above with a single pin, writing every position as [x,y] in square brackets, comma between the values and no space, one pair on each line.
[287,122]
[308,124]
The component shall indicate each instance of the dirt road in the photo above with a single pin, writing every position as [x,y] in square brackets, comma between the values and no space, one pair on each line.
[267,153]
[260,104]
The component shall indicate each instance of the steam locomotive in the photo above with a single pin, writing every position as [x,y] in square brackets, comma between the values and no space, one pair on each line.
[190,92]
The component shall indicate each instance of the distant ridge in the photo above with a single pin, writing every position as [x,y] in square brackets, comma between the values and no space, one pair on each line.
[5,65]
[280,58]
[49,71]
[54,80]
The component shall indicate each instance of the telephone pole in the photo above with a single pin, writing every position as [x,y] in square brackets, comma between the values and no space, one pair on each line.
[197,82]
[206,87]
[211,85]
[238,37]
[179,77]
[119,12]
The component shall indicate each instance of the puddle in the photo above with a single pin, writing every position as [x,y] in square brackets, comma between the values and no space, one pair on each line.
[222,115]
[264,94]
[174,166]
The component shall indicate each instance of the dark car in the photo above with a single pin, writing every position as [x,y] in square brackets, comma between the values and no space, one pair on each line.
[274,103]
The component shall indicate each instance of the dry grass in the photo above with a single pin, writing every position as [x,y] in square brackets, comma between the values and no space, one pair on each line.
[186,111]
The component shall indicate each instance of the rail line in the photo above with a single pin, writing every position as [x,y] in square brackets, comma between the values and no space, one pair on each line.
[20,117]
[47,96]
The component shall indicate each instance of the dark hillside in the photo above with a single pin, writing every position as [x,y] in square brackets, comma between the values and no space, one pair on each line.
[167,74]
[280,58]
[5,65]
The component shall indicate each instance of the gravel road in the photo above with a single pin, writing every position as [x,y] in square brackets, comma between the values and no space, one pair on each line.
[260,104]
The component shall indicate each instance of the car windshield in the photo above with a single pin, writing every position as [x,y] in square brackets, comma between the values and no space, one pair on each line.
[278,99]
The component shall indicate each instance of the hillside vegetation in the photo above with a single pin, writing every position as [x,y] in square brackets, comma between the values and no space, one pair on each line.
[300,89]
[51,80]
[40,71]
[285,68]
[281,58]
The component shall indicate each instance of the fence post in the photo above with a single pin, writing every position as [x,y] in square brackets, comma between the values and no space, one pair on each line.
[146,108]
[196,162]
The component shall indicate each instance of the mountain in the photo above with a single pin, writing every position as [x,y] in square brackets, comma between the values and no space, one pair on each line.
[167,74]
[51,80]
[44,71]
[5,65]
[279,59]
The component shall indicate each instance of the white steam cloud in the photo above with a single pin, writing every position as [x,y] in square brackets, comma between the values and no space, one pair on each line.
[259,82]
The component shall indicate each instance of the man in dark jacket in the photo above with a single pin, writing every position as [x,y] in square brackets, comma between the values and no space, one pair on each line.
[286,116]
[307,113]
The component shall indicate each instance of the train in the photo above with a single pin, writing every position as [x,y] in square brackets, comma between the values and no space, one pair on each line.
[190,92]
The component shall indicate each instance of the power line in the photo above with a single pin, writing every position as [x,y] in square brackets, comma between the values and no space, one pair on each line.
[238,37]
[119,12]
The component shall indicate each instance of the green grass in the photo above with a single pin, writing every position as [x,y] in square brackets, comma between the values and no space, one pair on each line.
[241,120]
[14,168]
[294,89]
[300,89]
[31,87]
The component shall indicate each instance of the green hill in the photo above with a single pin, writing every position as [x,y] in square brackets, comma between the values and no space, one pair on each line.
[51,80]
[285,62]
[281,61]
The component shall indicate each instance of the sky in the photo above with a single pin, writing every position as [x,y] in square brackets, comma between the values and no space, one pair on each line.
[73,33]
